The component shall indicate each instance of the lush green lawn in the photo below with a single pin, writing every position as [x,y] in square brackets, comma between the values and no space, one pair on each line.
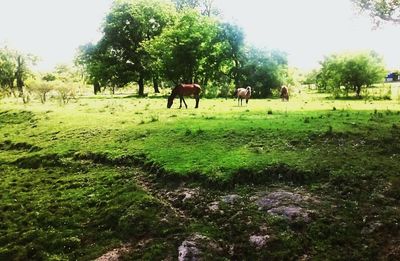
[216,140]
[70,191]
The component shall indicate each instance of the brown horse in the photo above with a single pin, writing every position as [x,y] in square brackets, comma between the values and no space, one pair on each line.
[182,90]
[243,93]
[284,93]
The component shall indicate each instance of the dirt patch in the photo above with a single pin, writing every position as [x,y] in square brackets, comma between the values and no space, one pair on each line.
[115,254]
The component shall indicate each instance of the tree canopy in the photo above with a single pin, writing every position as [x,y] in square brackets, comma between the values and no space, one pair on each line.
[185,50]
[118,58]
[380,10]
[14,69]
[157,41]
[349,72]
[263,70]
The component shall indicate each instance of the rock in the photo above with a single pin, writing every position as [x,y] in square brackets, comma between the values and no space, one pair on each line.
[188,251]
[291,212]
[286,204]
[196,247]
[258,241]
[278,198]
[182,195]
[214,206]
[230,199]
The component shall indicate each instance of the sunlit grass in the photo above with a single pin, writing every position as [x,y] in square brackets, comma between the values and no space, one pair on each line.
[217,139]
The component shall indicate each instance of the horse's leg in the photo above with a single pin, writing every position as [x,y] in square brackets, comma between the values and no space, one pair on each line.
[180,101]
[197,97]
[247,100]
[183,99]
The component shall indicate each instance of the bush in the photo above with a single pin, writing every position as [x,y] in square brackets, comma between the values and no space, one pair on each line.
[40,88]
[66,91]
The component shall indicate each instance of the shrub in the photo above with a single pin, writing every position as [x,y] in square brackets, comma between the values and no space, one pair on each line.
[66,91]
[41,89]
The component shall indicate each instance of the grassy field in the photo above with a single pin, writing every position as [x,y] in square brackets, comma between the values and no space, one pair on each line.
[111,171]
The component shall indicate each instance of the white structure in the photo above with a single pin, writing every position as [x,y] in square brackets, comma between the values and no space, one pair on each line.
[395,91]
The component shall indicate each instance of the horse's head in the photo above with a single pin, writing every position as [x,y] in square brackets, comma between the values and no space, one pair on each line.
[248,91]
[170,101]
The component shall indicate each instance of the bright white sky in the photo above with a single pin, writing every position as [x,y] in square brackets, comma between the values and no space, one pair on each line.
[305,29]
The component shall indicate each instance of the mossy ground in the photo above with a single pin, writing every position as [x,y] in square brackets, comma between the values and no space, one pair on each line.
[83,178]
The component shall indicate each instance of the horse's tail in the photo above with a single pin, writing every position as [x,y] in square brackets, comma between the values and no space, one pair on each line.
[235,93]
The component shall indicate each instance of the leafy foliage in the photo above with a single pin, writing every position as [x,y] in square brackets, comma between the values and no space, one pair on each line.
[381,10]
[7,68]
[150,41]
[118,58]
[263,70]
[349,72]
[183,50]
[14,69]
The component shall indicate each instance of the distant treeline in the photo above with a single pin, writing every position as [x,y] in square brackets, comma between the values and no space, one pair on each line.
[159,43]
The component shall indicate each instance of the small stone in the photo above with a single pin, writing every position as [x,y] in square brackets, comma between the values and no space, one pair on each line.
[188,251]
[214,206]
[231,199]
[258,241]
[291,212]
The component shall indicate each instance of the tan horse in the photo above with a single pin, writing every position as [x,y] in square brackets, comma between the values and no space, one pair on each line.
[284,93]
[182,90]
[243,93]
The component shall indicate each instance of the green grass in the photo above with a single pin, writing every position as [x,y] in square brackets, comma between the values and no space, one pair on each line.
[70,213]
[70,191]
[215,141]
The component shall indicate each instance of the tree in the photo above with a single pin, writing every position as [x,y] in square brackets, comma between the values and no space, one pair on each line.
[263,70]
[66,73]
[349,72]
[185,51]
[205,7]
[233,37]
[14,67]
[41,88]
[182,4]
[94,66]
[118,58]
[310,78]
[380,10]
[7,70]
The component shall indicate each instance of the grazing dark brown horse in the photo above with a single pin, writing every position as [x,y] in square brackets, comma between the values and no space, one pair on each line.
[182,90]
[285,93]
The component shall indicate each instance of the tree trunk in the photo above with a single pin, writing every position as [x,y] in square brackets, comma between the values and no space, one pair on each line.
[19,75]
[12,92]
[96,87]
[236,73]
[141,86]
[155,84]
[358,90]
